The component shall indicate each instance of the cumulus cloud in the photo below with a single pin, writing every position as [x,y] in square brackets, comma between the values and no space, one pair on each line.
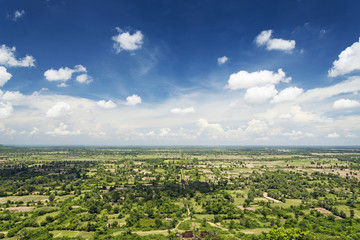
[107,105]
[6,109]
[256,126]
[288,94]
[4,76]
[183,110]
[333,135]
[7,58]
[349,60]
[84,78]
[213,130]
[60,109]
[64,74]
[345,103]
[62,130]
[265,39]
[259,95]
[244,79]
[18,14]
[127,41]
[11,96]
[133,100]
[222,60]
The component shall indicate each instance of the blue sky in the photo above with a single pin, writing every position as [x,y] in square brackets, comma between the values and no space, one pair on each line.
[179,72]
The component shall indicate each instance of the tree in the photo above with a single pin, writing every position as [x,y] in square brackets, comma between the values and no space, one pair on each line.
[282,233]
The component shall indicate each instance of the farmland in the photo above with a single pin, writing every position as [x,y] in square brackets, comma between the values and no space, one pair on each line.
[160,193]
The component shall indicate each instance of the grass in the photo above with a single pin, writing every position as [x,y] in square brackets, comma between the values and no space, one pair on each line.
[85,235]
[43,217]
[27,198]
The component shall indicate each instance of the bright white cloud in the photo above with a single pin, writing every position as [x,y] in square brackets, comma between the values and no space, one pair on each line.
[106,104]
[333,135]
[183,110]
[4,76]
[11,96]
[265,39]
[60,109]
[348,86]
[6,109]
[259,95]
[164,132]
[127,41]
[7,58]
[62,130]
[133,100]
[345,103]
[213,130]
[256,126]
[63,74]
[222,60]
[288,94]
[84,78]
[300,116]
[349,60]
[244,79]
[18,14]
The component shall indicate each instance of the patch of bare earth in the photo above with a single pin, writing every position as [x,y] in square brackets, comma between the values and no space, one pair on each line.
[20,209]
[270,198]
[323,210]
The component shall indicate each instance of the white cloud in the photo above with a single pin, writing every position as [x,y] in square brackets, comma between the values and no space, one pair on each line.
[18,14]
[63,74]
[63,85]
[11,96]
[294,134]
[164,132]
[300,116]
[333,135]
[133,100]
[7,58]
[256,126]
[288,94]
[62,131]
[107,105]
[213,130]
[84,78]
[349,60]
[6,109]
[264,39]
[183,110]
[127,41]
[222,60]
[60,109]
[345,103]
[244,79]
[259,95]
[348,86]
[34,131]
[4,76]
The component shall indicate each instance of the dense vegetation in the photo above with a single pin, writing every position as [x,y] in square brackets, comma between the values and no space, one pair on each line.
[148,193]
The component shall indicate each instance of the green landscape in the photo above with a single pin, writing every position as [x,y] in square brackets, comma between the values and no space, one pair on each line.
[179,193]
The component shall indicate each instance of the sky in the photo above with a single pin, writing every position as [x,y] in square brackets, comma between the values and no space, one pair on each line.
[121,73]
